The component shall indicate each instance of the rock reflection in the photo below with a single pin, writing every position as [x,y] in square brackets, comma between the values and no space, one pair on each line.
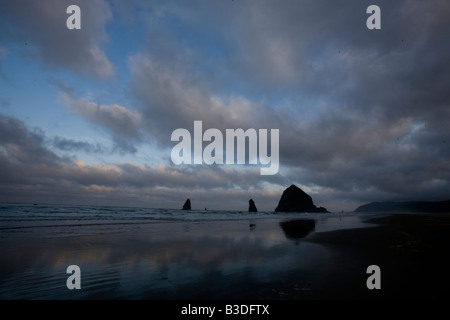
[298,228]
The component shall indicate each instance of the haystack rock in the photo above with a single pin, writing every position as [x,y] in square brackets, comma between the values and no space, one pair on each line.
[187,205]
[251,206]
[295,199]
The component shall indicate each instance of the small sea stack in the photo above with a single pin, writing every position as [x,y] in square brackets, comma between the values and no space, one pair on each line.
[187,205]
[252,206]
[295,199]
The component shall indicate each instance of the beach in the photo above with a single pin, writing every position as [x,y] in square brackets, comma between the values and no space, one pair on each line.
[221,256]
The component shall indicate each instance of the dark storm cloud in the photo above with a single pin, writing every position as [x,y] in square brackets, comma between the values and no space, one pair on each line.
[41,25]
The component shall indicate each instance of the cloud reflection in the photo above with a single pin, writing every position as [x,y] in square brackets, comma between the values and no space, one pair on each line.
[167,260]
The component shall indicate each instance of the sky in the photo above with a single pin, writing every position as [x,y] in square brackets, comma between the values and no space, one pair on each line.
[86,116]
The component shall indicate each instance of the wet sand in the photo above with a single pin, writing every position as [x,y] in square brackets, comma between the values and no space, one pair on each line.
[269,259]
[410,249]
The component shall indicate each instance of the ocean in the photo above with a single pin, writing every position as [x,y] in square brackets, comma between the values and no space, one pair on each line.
[22,220]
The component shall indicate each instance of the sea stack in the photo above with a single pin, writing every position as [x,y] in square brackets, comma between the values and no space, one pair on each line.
[187,205]
[251,206]
[295,199]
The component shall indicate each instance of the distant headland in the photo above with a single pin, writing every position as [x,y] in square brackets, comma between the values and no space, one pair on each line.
[406,207]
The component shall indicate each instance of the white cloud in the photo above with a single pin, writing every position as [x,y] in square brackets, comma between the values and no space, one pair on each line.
[115,118]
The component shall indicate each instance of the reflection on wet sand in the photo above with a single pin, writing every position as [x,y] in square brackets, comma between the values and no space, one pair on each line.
[173,261]
[298,228]
[323,257]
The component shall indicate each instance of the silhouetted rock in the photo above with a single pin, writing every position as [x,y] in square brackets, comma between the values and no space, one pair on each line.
[299,228]
[295,199]
[251,206]
[407,206]
[187,205]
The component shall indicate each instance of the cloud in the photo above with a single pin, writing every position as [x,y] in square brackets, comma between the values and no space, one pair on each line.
[122,123]
[114,117]
[172,98]
[22,146]
[42,26]
[65,144]
[360,112]
[29,171]
[363,115]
